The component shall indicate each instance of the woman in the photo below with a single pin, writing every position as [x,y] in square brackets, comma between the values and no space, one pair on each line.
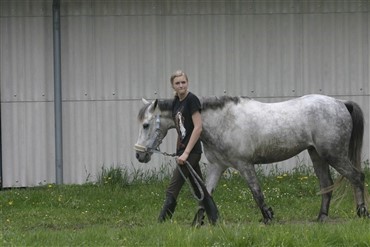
[186,110]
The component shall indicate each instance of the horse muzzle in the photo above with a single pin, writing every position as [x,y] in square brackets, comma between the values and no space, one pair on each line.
[142,153]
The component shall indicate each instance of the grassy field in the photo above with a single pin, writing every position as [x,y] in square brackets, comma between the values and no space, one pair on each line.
[115,212]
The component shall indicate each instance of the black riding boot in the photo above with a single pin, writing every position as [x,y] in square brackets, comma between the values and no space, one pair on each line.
[168,208]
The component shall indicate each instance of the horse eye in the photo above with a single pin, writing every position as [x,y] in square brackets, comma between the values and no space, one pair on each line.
[145,126]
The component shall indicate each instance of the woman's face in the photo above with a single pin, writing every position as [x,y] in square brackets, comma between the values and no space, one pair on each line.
[180,85]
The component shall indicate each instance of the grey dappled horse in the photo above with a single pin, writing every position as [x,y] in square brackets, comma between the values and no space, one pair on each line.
[240,132]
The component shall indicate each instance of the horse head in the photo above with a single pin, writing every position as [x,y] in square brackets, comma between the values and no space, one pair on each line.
[153,128]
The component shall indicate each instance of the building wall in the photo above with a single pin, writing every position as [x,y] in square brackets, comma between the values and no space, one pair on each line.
[116,52]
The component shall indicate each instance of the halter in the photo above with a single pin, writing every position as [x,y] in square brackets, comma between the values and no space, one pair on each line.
[154,145]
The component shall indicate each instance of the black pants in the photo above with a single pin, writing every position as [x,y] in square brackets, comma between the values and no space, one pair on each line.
[177,181]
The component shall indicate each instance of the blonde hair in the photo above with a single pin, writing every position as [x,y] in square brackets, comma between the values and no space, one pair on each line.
[178,73]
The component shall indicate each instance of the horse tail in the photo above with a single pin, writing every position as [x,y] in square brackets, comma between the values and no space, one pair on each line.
[355,144]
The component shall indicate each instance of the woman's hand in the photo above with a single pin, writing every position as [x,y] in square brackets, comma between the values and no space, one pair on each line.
[181,160]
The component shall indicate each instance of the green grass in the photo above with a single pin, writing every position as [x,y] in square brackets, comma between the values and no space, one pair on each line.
[119,212]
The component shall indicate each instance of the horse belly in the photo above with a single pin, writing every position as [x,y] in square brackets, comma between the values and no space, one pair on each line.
[255,149]
[274,145]
[275,153]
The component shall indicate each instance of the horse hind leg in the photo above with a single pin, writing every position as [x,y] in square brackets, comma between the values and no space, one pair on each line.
[357,179]
[322,172]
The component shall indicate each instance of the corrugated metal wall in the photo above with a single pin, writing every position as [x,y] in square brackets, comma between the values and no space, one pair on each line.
[116,52]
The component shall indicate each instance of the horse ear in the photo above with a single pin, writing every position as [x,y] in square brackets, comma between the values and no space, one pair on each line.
[155,103]
[153,106]
[144,101]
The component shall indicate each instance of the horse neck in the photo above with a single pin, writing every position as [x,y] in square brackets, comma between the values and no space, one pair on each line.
[167,119]
[165,110]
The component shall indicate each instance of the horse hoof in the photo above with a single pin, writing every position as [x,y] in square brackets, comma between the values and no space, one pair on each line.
[266,221]
[198,220]
[268,216]
[362,211]
[322,218]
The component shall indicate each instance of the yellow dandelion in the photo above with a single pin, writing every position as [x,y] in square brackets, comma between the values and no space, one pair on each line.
[10,203]
[279,177]
[50,186]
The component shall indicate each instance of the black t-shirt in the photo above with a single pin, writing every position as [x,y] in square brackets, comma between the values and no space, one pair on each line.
[182,112]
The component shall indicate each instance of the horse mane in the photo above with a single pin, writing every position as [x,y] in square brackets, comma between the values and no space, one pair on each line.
[208,103]
[219,102]
[164,105]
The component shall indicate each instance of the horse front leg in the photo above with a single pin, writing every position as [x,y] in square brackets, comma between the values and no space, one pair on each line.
[250,175]
[214,172]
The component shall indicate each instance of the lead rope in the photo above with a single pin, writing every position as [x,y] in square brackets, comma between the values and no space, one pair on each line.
[197,180]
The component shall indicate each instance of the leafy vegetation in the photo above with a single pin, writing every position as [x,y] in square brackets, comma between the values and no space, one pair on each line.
[121,211]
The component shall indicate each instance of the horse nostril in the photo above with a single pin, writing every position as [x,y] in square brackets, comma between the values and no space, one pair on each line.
[137,156]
